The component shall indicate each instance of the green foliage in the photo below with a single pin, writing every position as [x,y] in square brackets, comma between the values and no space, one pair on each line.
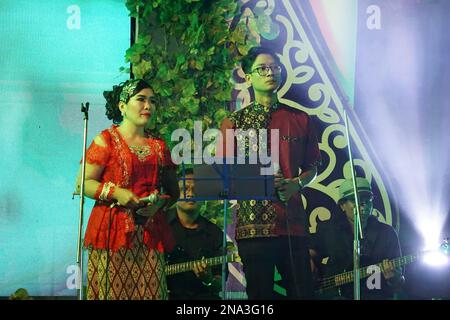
[187,52]
[213,211]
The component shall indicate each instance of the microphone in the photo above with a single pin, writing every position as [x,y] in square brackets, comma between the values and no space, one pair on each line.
[153,197]
[277,169]
[150,199]
[147,211]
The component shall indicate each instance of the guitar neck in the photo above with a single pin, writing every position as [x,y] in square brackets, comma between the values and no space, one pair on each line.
[347,277]
[187,266]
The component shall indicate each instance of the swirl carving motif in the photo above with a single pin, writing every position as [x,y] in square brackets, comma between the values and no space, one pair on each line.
[309,86]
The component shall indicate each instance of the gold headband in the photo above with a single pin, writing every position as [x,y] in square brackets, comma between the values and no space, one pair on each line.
[128,89]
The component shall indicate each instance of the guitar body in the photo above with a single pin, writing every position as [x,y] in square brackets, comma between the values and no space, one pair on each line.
[177,255]
[340,286]
[181,280]
[331,294]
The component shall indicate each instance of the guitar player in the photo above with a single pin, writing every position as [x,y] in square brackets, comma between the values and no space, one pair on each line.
[332,247]
[196,238]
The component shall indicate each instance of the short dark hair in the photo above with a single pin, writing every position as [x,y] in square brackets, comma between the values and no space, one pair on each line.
[249,59]
[187,171]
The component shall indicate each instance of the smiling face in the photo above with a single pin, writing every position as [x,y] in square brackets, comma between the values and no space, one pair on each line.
[265,74]
[139,108]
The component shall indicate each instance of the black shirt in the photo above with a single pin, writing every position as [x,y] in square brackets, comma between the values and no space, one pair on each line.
[334,239]
[193,244]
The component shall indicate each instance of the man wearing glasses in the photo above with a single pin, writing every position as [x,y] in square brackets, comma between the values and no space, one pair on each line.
[272,234]
[332,247]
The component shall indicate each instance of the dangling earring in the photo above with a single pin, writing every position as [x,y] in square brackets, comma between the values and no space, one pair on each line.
[122,107]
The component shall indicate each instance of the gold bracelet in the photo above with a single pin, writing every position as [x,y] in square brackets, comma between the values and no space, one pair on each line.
[106,194]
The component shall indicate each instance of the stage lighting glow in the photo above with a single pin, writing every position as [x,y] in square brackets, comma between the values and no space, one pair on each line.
[438,256]
[410,102]
[435,259]
[431,232]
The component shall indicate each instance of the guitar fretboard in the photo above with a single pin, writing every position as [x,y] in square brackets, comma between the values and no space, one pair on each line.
[186,266]
[347,277]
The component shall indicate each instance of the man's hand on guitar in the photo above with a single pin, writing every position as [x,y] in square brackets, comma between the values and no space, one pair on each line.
[388,269]
[202,271]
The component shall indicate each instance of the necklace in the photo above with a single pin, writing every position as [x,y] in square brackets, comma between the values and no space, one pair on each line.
[141,152]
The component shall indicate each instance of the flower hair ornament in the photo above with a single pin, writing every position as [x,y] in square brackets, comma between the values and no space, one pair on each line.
[128,89]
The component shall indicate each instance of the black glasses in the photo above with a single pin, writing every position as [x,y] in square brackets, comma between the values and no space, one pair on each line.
[362,200]
[264,70]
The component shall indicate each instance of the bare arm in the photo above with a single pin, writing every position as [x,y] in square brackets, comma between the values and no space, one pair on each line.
[92,182]
[92,175]
[225,148]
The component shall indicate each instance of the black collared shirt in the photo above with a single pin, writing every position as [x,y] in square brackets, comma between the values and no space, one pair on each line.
[334,240]
[193,244]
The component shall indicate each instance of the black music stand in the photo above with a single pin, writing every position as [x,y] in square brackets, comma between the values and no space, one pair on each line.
[229,179]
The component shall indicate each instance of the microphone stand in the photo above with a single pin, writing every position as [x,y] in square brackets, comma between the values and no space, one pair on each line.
[328,61]
[85,111]
[225,227]
[357,230]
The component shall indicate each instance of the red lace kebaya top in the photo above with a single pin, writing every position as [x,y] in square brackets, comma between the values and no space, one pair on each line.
[137,169]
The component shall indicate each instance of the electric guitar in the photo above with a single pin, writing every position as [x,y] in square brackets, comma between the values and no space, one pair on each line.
[172,269]
[347,277]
